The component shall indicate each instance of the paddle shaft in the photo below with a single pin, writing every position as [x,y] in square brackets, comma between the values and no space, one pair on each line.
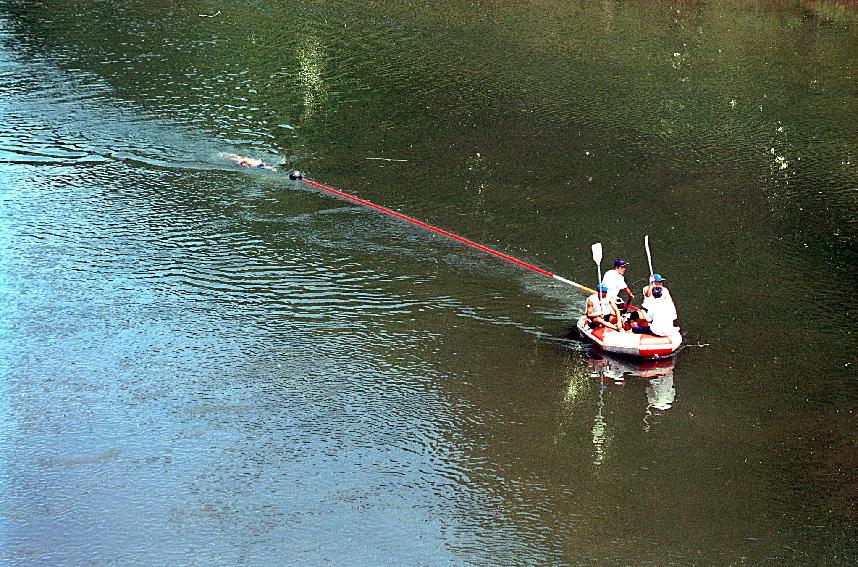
[648,255]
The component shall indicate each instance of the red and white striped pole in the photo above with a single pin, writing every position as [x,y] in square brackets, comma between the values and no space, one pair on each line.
[297,175]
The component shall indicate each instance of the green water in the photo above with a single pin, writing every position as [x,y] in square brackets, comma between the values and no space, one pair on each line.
[204,365]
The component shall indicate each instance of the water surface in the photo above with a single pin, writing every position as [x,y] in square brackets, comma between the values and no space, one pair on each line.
[214,366]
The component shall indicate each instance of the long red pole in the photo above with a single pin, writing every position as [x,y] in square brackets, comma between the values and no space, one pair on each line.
[297,175]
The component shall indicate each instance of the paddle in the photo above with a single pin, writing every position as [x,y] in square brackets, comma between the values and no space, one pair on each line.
[648,255]
[597,257]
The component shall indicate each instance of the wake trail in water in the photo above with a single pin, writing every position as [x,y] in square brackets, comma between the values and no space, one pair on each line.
[67,121]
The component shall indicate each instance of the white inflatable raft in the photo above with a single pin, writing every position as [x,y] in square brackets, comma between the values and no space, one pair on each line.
[630,344]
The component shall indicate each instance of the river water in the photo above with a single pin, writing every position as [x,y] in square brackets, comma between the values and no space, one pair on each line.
[208,365]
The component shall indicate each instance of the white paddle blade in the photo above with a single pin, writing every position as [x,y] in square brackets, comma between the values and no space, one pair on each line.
[597,252]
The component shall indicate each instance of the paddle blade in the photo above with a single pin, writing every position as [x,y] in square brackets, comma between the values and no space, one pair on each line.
[597,252]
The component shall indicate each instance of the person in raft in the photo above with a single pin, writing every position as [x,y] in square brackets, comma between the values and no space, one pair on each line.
[658,309]
[656,280]
[247,162]
[602,310]
[616,282]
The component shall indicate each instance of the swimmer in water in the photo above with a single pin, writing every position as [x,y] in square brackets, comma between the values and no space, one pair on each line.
[247,162]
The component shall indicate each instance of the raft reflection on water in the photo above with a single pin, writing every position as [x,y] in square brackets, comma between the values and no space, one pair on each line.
[660,392]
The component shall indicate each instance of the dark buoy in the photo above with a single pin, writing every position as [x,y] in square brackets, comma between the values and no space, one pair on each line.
[295,174]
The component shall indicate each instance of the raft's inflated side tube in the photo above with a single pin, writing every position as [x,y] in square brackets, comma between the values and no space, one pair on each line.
[630,344]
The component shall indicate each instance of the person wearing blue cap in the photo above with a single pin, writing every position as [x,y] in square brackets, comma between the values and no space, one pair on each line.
[602,310]
[247,162]
[616,282]
[656,281]
[658,309]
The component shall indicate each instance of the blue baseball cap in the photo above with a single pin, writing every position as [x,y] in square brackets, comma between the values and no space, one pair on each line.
[602,287]
[620,262]
[657,278]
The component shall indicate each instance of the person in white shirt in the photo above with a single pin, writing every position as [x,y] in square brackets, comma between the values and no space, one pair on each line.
[658,308]
[602,310]
[616,282]
[656,280]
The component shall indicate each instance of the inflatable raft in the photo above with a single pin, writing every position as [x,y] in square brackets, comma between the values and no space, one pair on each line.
[630,344]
